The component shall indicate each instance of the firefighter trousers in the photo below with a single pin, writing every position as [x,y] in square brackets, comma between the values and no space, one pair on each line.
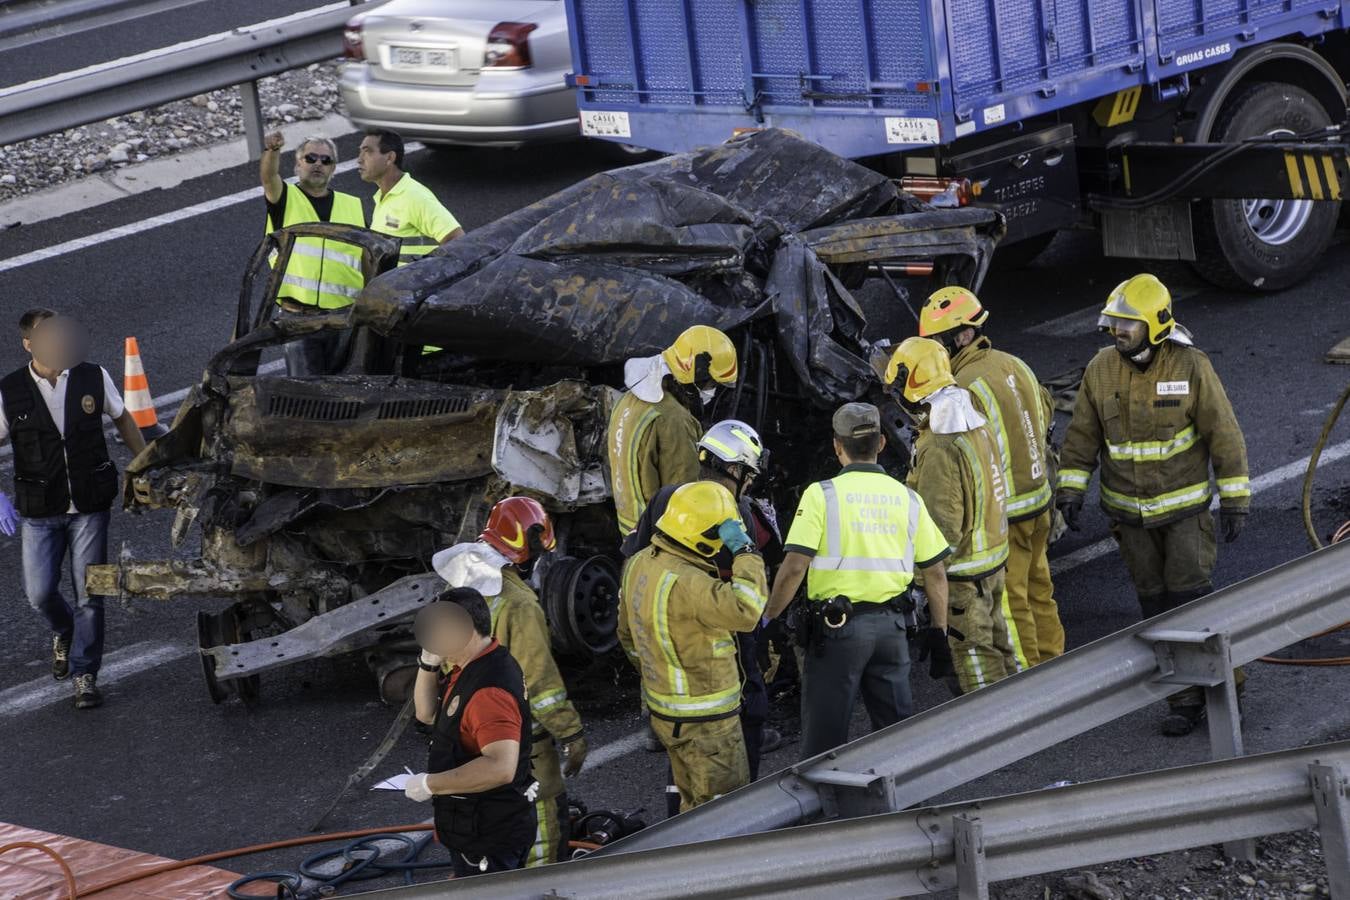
[550,804]
[1172,565]
[707,758]
[984,653]
[1030,607]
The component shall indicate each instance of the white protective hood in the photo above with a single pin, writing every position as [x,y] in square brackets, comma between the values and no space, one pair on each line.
[643,375]
[951,412]
[473,565]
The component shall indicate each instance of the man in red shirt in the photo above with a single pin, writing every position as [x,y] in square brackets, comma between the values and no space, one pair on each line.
[478,767]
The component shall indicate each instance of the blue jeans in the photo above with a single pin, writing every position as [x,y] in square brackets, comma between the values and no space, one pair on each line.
[46,541]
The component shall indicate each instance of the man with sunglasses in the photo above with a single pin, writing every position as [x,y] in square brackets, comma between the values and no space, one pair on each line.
[321,275]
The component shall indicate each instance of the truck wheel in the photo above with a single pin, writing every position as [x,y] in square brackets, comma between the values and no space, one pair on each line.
[1263,245]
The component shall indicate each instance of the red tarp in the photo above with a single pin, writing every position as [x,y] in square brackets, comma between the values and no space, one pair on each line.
[31,875]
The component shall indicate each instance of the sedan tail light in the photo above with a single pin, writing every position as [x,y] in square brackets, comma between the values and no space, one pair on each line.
[353,43]
[508,46]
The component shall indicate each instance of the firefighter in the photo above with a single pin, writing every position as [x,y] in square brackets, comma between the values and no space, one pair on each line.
[858,539]
[653,434]
[1020,415]
[677,624]
[959,473]
[731,454]
[518,532]
[1153,412]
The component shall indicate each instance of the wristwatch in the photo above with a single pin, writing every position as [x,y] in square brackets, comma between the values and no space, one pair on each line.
[426,668]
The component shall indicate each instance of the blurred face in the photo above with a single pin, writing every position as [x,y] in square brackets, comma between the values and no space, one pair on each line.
[59,343]
[370,162]
[1130,334]
[444,629]
[315,164]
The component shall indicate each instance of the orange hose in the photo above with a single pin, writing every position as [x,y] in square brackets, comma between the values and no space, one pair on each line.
[245,851]
[43,848]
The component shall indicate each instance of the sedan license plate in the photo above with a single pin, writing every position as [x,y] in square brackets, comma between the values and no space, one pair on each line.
[422,58]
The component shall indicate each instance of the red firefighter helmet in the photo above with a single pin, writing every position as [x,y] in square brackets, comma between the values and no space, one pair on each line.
[509,524]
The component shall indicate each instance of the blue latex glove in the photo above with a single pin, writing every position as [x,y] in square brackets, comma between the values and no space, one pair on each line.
[9,519]
[733,536]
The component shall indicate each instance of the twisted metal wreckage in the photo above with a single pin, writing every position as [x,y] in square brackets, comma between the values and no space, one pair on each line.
[320,500]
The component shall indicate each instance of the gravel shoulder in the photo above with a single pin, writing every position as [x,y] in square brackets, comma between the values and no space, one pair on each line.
[106,147]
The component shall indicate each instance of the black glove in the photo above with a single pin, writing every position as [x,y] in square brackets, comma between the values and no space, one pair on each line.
[1233,523]
[1070,506]
[934,647]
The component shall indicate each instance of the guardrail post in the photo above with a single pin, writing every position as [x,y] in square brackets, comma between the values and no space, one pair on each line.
[1333,824]
[251,107]
[1205,658]
[848,795]
[972,876]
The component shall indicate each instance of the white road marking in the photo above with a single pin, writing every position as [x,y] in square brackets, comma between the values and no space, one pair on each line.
[170,399]
[615,749]
[168,218]
[1273,478]
[118,664]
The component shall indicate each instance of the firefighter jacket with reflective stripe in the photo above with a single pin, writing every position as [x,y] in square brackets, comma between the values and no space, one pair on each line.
[518,623]
[1156,434]
[51,472]
[865,532]
[1019,412]
[960,477]
[677,623]
[322,273]
[651,445]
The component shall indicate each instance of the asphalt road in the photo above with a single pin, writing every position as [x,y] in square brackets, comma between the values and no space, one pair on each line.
[70,49]
[161,769]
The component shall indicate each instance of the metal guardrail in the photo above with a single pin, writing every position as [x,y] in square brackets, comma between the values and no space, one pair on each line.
[952,744]
[966,846]
[25,22]
[239,57]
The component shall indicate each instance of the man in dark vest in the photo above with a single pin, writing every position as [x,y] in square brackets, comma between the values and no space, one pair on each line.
[478,768]
[64,484]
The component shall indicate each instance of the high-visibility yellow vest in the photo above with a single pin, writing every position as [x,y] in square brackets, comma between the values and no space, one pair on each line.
[865,533]
[322,273]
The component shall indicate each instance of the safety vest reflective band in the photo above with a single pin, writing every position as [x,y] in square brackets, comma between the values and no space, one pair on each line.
[833,558]
[1017,504]
[322,273]
[1074,479]
[679,704]
[985,554]
[1154,451]
[629,507]
[1235,487]
[1162,506]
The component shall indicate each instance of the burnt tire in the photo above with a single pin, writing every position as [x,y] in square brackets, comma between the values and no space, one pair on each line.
[1263,245]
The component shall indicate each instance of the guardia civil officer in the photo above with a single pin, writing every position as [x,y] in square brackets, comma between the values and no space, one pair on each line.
[857,539]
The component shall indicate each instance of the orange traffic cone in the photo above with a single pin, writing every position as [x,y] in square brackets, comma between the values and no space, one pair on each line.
[136,394]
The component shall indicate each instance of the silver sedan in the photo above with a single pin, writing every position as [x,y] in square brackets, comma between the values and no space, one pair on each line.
[480,72]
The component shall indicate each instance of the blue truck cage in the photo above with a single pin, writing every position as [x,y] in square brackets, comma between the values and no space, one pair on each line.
[869,77]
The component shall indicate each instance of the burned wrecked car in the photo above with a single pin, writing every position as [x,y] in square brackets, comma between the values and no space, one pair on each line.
[318,502]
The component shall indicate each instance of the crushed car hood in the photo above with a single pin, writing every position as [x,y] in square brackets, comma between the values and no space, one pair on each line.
[619,264]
